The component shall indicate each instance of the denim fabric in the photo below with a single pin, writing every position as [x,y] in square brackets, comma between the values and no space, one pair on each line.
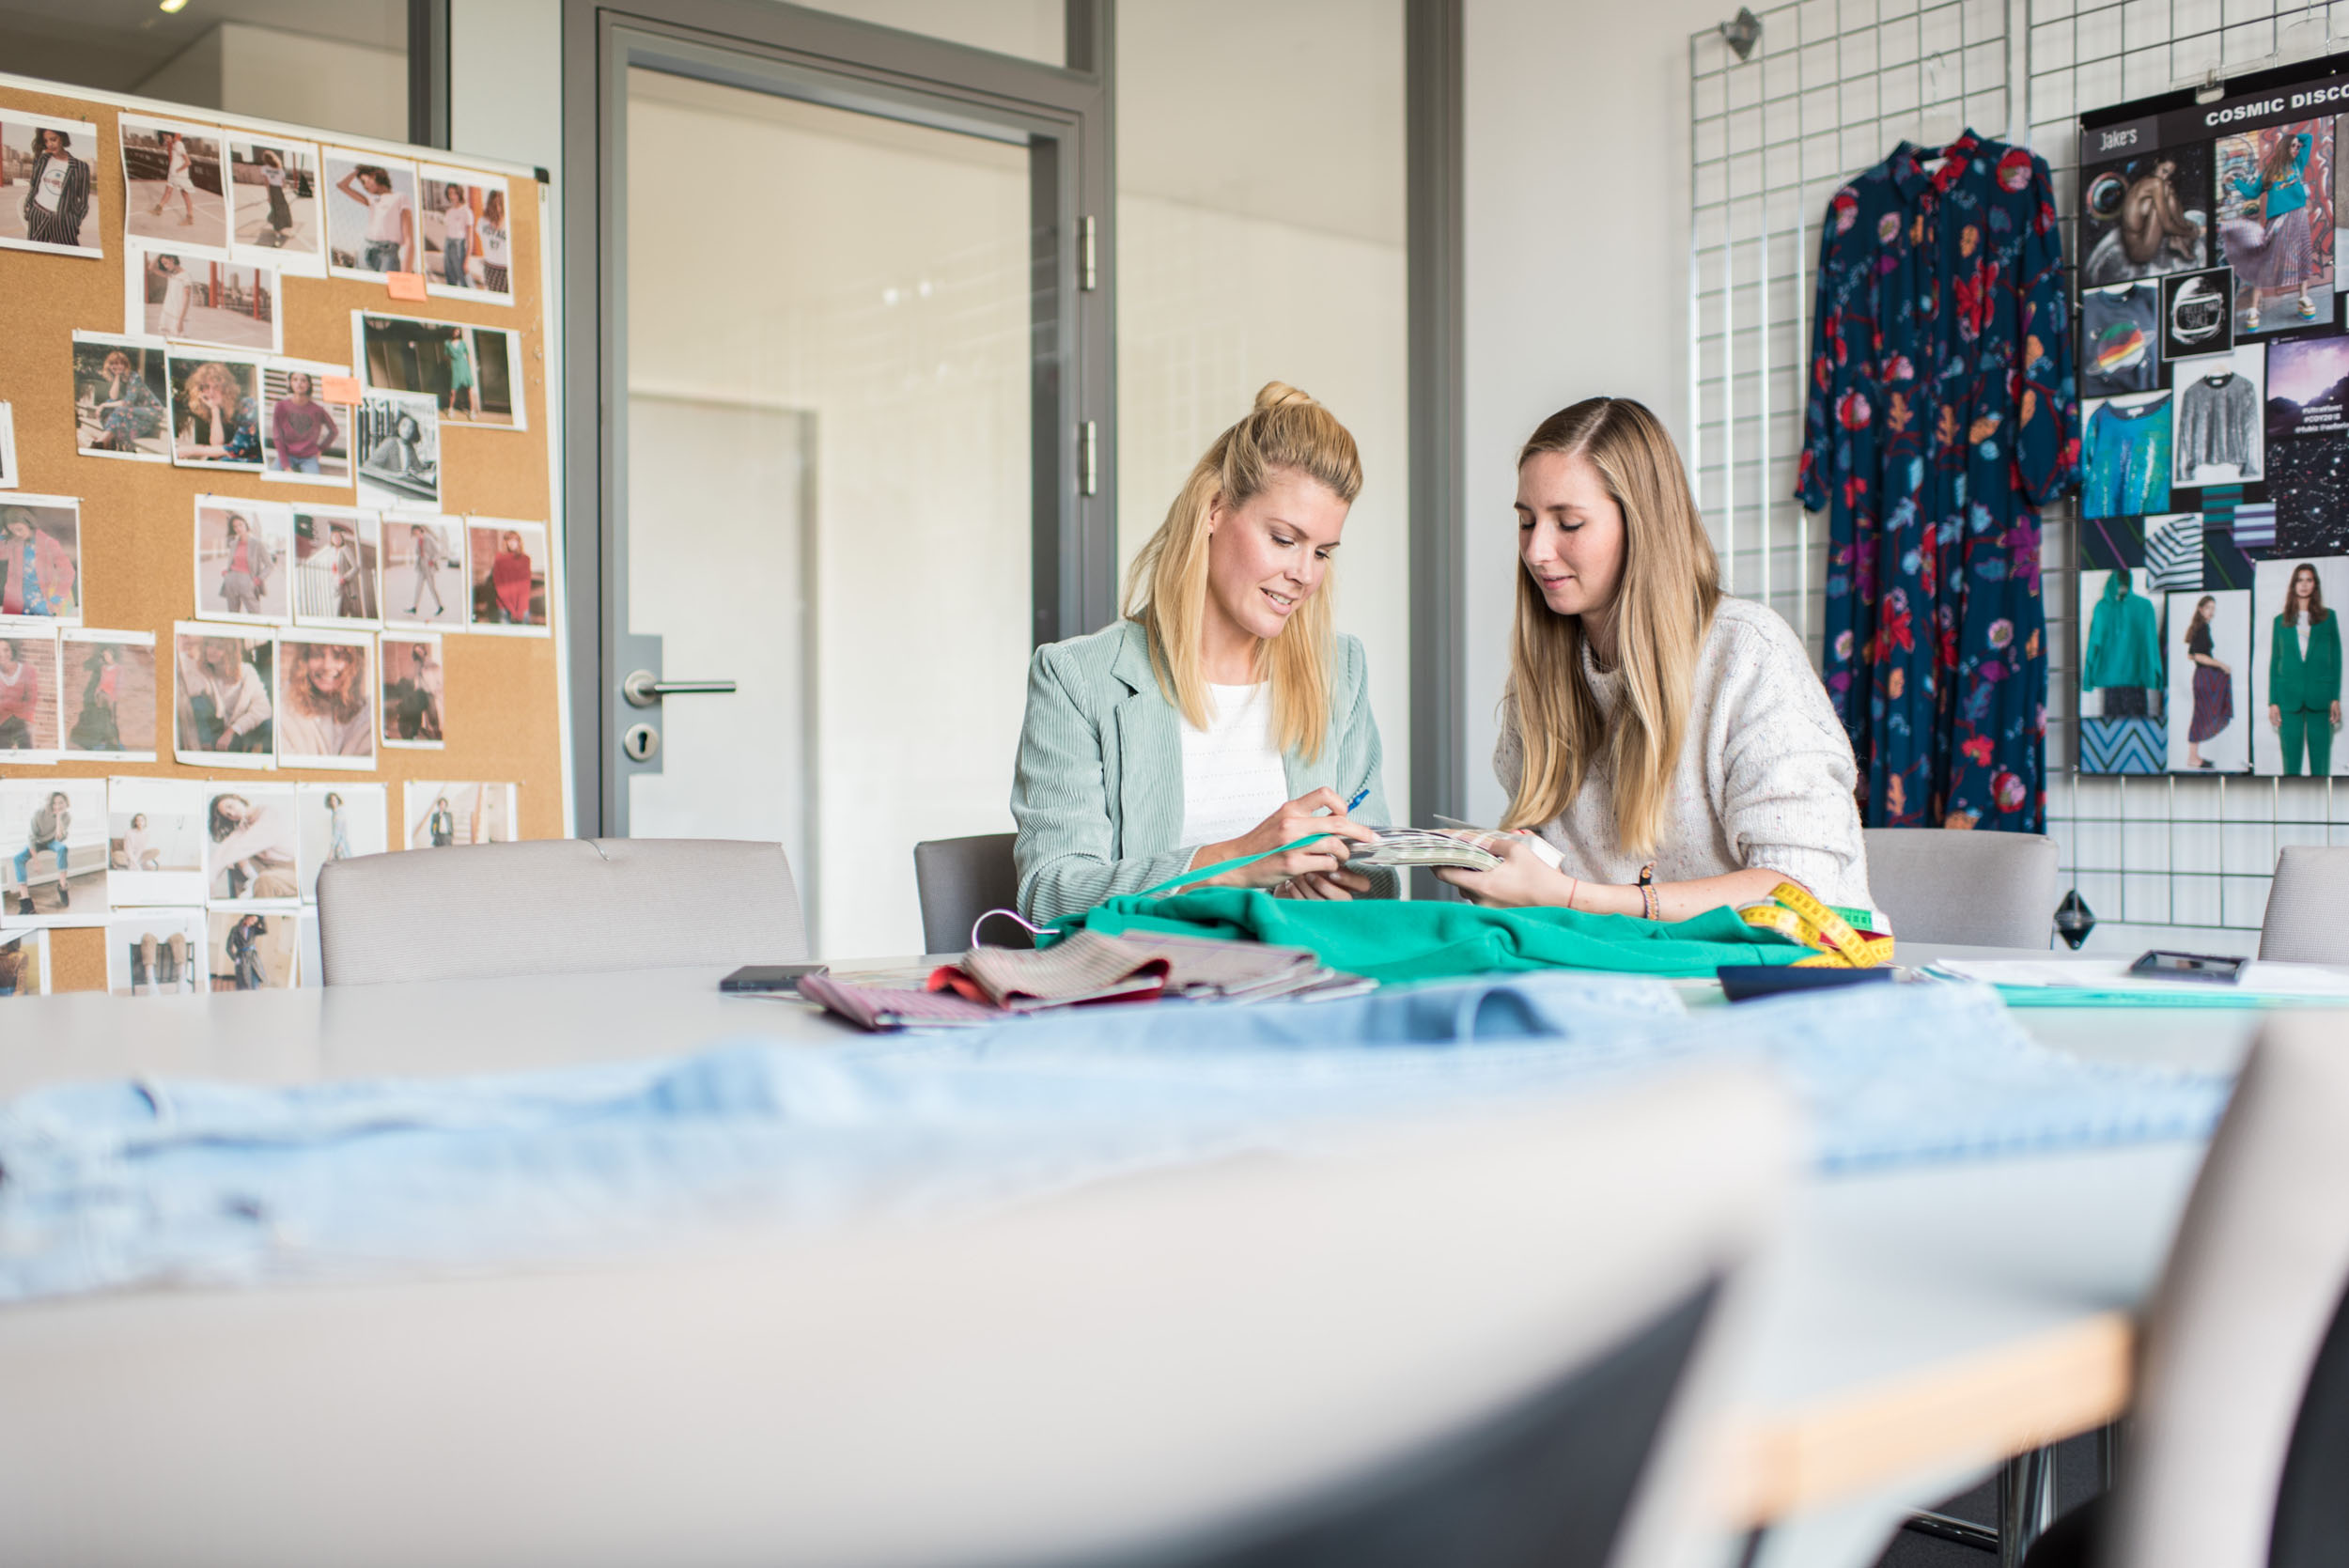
[117,1184]
[383,256]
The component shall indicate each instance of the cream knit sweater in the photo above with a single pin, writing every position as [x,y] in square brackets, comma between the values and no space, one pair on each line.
[1764,776]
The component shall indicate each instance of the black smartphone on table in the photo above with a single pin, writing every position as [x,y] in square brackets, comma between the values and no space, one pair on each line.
[2217,968]
[770,979]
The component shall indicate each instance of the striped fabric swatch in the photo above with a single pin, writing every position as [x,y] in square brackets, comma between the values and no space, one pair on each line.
[2123,746]
[2173,552]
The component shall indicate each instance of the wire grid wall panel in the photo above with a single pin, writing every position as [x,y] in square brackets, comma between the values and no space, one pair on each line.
[2163,850]
[1829,89]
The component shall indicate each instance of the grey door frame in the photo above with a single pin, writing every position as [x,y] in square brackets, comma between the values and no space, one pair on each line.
[1062,114]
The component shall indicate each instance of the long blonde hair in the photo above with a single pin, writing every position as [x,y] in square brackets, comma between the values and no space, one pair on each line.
[1166,588]
[1663,610]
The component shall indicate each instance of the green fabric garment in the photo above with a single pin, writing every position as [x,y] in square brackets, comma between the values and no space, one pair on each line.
[2123,643]
[1431,939]
[2311,683]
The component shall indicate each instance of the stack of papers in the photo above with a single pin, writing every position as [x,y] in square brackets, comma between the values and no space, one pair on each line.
[1469,849]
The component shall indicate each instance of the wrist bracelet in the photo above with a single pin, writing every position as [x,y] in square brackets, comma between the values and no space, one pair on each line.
[1647,892]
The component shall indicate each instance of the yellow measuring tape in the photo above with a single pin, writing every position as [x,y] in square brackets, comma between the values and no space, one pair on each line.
[1798,917]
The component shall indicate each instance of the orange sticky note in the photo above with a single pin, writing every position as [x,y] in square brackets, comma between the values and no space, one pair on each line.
[404,286]
[339,389]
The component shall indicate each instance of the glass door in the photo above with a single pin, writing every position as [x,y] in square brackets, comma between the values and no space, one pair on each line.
[843,454]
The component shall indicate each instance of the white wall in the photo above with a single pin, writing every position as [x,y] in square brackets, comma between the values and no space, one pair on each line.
[300,77]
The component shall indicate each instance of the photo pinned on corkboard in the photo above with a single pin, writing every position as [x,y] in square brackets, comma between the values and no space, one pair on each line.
[466,235]
[8,473]
[29,704]
[106,686]
[305,440]
[243,553]
[414,687]
[424,571]
[251,839]
[48,200]
[156,953]
[224,703]
[155,833]
[121,399]
[326,699]
[338,559]
[2297,658]
[40,559]
[23,964]
[53,852]
[339,822]
[443,816]
[191,298]
[509,565]
[472,374]
[398,448]
[173,183]
[276,203]
[370,216]
[215,408]
[250,951]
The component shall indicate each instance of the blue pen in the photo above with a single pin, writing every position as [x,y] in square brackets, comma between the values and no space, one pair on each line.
[1359,796]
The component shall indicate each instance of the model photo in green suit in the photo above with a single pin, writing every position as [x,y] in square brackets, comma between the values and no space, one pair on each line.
[2304,675]
[1220,717]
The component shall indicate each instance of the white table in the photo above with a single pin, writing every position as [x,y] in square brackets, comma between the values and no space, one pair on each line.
[1920,1325]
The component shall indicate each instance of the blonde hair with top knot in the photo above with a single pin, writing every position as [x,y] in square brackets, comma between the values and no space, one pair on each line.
[1166,588]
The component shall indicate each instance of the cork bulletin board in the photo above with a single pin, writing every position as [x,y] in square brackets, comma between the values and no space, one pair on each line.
[499,698]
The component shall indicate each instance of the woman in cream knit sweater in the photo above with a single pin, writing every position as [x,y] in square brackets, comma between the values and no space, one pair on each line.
[1671,748]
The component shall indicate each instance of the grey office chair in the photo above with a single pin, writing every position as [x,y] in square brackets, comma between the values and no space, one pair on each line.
[961,879]
[1412,1345]
[1985,890]
[2239,1436]
[2303,924]
[556,906]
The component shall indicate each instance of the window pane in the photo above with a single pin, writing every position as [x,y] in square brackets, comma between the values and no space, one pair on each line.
[1031,29]
[1260,237]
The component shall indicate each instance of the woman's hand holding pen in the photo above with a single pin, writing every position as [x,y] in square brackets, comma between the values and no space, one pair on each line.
[1315,870]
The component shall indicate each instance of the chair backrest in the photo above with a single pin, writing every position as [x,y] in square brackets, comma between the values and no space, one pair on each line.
[1412,1345]
[556,906]
[2303,924]
[1985,890]
[2240,1444]
[961,879]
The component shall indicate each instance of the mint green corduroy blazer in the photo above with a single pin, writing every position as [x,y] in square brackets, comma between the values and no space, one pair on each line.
[1098,792]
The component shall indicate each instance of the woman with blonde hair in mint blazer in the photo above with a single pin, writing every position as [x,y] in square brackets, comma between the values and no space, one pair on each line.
[1221,716]
[2304,675]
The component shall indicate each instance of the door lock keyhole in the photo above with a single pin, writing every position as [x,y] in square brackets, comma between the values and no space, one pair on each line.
[642,742]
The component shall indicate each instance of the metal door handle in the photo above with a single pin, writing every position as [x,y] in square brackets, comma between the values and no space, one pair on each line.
[642,690]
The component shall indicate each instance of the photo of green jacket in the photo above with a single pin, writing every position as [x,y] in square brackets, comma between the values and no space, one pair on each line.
[2123,641]
[2310,684]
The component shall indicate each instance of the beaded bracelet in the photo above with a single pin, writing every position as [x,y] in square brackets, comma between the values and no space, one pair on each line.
[1648,901]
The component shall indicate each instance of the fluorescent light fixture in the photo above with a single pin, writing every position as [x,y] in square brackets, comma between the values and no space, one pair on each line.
[172,6]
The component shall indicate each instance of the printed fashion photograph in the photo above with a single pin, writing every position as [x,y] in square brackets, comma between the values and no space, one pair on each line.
[106,682]
[2210,681]
[465,235]
[336,556]
[250,841]
[2296,669]
[412,683]
[121,399]
[47,186]
[40,559]
[2173,553]
[2124,456]
[30,706]
[469,372]
[156,953]
[2219,430]
[9,472]
[2123,679]
[241,557]
[224,711]
[2119,340]
[370,215]
[172,177]
[399,451]
[2197,312]
[2276,224]
[424,571]
[325,699]
[339,821]
[250,951]
[155,829]
[2144,216]
[274,194]
[198,298]
[2308,443]
[509,575]
[53,852]
[23,964]
[305,439]
[215,411]
[443,816]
